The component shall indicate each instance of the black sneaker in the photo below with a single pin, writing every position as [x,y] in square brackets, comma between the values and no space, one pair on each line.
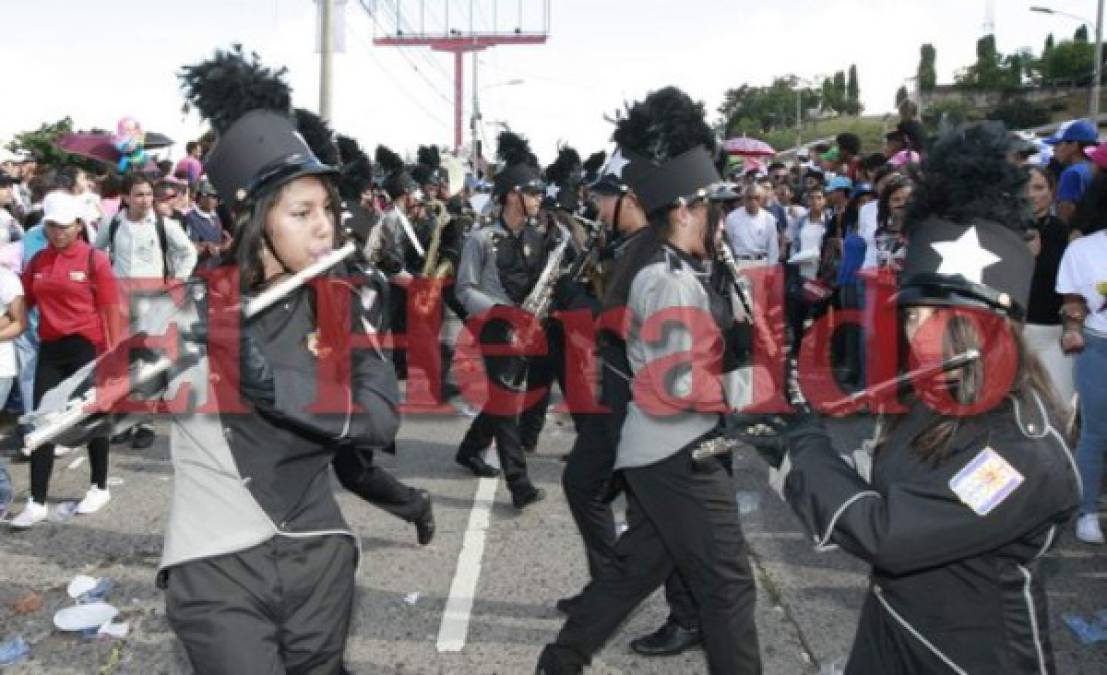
[143,438]
[478,466]
[424,524]
[522,500]
[122,436]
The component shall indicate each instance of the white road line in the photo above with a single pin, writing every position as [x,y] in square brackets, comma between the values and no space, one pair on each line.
[454,628]
[76,462]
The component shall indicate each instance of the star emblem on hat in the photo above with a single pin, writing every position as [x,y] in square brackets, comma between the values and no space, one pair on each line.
[965,256]
[552,191]
[616,163]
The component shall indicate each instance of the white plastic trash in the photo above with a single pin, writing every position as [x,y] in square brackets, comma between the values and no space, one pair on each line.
[83,617]
[80,585]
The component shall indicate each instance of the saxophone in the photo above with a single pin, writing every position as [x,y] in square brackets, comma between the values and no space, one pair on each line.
[433,266]
[537,303]
[744,293]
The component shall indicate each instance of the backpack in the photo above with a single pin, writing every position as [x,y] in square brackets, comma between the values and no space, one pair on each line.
[163,241]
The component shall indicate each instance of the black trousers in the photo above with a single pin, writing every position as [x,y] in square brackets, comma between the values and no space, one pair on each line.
[683,516]
[356,472]
[58,360]
[507,373]
[280,607]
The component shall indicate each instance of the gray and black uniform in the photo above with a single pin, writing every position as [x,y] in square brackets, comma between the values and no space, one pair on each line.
[258,565]
[682,514]
[500,267]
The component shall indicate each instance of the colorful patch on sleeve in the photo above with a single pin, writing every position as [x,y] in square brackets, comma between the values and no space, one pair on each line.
[985,482]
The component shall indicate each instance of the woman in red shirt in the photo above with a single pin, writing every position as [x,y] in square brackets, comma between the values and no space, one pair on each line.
[74,288]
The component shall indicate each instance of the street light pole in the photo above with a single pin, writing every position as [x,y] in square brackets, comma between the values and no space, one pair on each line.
[1098,62]
[326,56]
[475,151]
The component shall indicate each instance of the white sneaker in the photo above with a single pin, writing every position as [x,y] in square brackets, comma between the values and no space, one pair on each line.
[31,514]
[62,450]
[95,499]
[1087,529]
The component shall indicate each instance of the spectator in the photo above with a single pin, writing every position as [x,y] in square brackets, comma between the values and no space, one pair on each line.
[771,204]
[165,200]
[1069,144]
[1043,319]
[752,230]
[73,287]
[1082,282]
[204,226]
[144,245]
[803,266]
[190,168]
[891,213]
[75,181]
[849,151]
[13,316]
[7,201]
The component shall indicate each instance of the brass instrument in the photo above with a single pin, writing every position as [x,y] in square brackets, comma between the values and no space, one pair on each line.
[594,269]
[745,296]
[433,267]
[538,301]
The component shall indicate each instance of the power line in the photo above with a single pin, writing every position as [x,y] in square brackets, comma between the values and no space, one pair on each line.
[399,87]
[426,57]
[414,67]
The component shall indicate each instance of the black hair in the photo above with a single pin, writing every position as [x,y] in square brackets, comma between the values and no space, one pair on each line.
[967,176]
[776,165]
[66,178]
[134,179]
[165,167]
[883,211]
[873,161]
[191,145]
[849,142]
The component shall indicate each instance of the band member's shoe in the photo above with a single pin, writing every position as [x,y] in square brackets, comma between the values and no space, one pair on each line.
[556,660]
[566,605]
[525,498]
[424,524]
[143,437]
[669,640]
[478,466]
[123,436]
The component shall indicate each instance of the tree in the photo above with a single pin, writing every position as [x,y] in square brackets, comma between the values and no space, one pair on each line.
[853,92]
[41,142]
[901,95]
[1081,34]
[829,95]
[950,112]
[752,110]
[1048,45]
[1069,62]
[1019,113]
[927,75]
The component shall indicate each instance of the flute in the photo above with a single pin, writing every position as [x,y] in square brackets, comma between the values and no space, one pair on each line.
[81,408]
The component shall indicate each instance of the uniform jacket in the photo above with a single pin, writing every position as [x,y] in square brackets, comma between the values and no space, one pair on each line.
[242,478]
[499,267]
[956,584]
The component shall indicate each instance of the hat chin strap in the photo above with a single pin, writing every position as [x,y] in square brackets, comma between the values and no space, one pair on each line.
[273,251]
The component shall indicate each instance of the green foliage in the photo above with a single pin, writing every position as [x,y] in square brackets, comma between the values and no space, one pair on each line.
[951,111]
[1081,34]
[1019,113]
[869,129]
[41,141]
[1048,44]
[853,93]
[927,75]
[1069,62]
[751,110]
[901,95]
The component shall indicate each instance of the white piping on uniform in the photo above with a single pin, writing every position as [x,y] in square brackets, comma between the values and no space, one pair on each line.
[918,636]
[1033,619]
[1048,542]
[1050,430]
[821,545]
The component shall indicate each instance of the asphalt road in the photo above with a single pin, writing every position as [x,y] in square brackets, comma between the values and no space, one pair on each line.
[807,606]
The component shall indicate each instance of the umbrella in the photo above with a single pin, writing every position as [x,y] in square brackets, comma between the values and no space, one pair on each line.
[101,147]
[748,147]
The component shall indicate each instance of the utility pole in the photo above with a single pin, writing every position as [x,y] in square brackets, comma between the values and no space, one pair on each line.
[326,58]
[476,149]
[1094,108]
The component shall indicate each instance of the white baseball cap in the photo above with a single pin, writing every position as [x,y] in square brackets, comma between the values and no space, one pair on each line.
[62,208]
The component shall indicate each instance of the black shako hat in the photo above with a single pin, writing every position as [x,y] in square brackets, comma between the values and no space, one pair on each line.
[563,177]
[666,150]
[519,172]
[966,226]
[261,151]
[397,181]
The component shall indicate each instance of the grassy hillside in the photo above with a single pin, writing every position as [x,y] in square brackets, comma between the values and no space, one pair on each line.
[869,128]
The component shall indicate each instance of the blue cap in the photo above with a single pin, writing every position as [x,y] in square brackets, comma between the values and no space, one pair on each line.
[839,183]
[1080,131]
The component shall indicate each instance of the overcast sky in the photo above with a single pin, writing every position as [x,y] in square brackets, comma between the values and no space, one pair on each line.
[98,60]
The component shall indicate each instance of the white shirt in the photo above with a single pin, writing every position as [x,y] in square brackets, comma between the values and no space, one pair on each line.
[866,227]
[136,252]
[809,246]
[10,289]
[753,236]
[1083,272]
